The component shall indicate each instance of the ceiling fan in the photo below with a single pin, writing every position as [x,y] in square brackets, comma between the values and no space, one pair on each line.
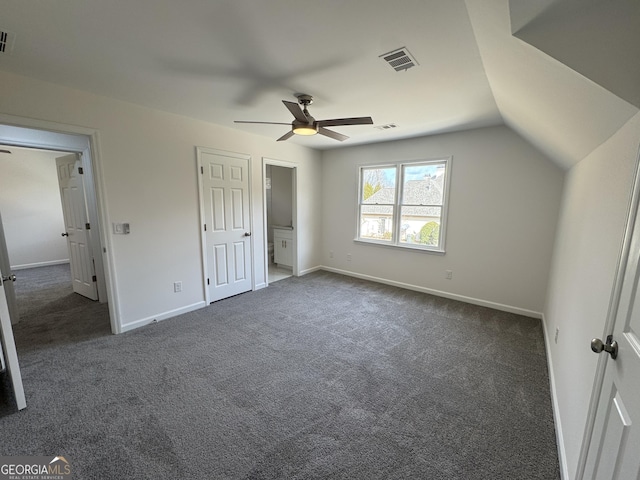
[305,124]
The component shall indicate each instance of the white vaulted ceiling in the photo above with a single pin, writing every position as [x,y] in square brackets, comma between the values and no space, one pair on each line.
[226,60]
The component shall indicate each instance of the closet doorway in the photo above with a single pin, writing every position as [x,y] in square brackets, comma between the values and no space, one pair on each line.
[280,219]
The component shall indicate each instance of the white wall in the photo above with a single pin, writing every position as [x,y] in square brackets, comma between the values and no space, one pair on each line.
[589,239]
[147,165]
[31,208]
[504,203]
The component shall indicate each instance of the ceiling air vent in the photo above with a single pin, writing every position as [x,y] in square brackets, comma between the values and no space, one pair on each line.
[388,126]
[400,59]
[6,41]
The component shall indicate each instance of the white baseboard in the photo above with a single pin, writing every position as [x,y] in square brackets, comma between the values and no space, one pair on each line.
[260,286]
[310,270]
[39,264]
[439,293]
[562,455]
[161,316]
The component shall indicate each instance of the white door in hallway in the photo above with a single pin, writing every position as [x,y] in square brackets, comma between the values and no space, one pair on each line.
[227,229]
[78,236]
[614,451]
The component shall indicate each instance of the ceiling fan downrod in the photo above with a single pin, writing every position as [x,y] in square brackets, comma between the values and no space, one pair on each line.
[305,100]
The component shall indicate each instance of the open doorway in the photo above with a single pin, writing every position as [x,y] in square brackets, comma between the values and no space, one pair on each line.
[46,136]
[43,208]
[280,219]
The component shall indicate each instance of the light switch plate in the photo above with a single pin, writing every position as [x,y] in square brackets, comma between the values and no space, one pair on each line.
[121,228]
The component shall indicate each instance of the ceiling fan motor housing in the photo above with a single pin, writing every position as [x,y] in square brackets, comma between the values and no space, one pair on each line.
[304,99]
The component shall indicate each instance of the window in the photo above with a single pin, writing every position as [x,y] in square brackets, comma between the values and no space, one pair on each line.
[404,204]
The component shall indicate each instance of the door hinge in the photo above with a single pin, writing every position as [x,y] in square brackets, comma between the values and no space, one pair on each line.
[205,227]
[87,226]
[80,170]
[94,278]
[202,170]
[207,281]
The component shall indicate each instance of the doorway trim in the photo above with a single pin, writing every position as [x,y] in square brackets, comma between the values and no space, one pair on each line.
[294,212]
[58,137]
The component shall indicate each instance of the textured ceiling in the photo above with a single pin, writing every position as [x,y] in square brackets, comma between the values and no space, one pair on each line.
[223,60]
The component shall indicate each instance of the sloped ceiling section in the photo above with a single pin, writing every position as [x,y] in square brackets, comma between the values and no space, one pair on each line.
[561,112]
[599,39]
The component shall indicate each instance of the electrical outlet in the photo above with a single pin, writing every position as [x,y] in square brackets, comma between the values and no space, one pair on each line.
[348,257]
[448,274]
[557,333]
[177,287]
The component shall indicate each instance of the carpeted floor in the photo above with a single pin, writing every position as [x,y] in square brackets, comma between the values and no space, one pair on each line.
[317,377]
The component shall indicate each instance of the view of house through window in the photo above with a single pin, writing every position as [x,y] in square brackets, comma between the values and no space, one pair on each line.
[404,204]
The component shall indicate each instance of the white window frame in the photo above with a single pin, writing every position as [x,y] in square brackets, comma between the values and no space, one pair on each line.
[400,169]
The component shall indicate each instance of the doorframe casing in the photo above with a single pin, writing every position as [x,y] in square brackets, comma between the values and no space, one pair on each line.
[612,311]
[53,137]
[294,212]
[203,238]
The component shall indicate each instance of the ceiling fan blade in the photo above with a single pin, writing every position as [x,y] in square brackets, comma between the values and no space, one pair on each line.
[296,111]
[287,135]
[334,122]
[263,123]
[331,134]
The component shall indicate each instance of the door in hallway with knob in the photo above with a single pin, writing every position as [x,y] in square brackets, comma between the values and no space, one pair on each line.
[77,229]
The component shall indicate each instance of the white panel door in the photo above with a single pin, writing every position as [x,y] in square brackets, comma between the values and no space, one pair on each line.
[75,219]
[8,349]
[614,451]
[225,197]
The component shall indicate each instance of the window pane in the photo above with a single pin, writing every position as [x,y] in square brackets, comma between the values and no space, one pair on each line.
[403,204]
[378,185]
[420,225]
[376,222]
[423,184]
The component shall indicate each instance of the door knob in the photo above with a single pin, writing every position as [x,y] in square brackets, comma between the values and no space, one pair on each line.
[611,347]
[6,278]
[247,234]
[65,234]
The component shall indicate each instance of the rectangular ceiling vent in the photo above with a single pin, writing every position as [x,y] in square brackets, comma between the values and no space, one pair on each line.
[400,59]
[6,41]
[388,126]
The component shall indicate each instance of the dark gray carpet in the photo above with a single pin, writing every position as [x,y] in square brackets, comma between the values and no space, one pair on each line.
[318,377]
[51,313]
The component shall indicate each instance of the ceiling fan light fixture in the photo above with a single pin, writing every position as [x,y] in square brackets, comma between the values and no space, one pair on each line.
[305,124]
[305,129]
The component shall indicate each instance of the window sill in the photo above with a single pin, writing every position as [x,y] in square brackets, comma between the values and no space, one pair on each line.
[402,246]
